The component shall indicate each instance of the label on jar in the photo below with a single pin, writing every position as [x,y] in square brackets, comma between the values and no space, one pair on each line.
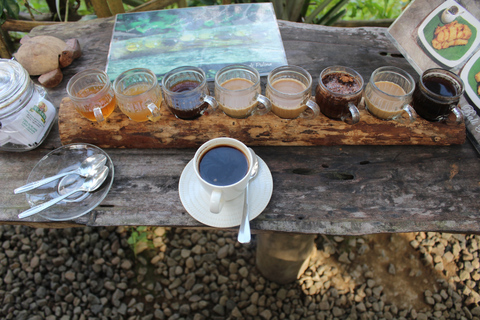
[28,126]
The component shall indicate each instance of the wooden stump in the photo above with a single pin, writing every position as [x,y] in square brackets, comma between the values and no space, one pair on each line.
[283,257]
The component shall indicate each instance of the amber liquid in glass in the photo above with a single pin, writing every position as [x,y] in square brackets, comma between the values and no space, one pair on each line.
[137,110]
[106,102]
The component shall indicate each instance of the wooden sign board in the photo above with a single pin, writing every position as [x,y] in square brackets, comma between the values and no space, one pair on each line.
[118,131]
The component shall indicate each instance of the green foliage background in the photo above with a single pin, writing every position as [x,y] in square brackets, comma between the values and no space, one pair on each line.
[325,11]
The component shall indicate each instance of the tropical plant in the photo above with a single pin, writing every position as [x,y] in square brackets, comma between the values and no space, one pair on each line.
[375,9]
[9,8]
[324,12]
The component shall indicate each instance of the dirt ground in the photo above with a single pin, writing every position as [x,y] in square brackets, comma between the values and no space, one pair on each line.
[406,286]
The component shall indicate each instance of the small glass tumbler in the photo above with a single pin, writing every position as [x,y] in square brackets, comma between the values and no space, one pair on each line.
[238,92]
[138,94]
[92,94]
[338,93]
[186,93]
[388,94]
[289,88]
[437,95]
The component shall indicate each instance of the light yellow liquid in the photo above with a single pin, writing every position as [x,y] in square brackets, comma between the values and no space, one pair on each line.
[288,108]
[385,107]
[134,108]
[237,106]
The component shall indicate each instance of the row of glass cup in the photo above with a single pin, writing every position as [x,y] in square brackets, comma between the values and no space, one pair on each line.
[391,94]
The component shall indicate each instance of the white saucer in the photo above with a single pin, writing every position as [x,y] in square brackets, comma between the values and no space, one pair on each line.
[196,200]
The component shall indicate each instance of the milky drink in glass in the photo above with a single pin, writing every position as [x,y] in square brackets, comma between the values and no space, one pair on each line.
[388,94]
[238,92]
[289,90]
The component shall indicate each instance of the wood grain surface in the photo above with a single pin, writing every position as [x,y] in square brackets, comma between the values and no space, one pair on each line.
[348,190]
[118,131]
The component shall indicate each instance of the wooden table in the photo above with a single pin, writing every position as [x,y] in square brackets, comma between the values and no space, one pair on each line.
[336,190]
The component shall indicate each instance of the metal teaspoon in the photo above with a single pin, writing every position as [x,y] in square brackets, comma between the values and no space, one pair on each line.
[244,234]
[89,185]
[88,168]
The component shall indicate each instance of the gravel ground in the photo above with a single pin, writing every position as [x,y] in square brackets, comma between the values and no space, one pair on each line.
[92,273]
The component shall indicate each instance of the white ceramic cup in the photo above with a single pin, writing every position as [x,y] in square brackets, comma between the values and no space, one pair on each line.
[219,194]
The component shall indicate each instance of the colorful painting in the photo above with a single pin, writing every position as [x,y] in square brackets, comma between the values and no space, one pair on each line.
[206,37]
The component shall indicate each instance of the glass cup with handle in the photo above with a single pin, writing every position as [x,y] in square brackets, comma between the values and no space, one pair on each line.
[92,94]
[186,93]
[138,94]
[339,92]
[238,92]
[289,88]
[437,94]
[388,95]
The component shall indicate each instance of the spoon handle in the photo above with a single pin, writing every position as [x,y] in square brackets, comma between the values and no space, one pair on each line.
[45,205]
[244,235]
[36,184]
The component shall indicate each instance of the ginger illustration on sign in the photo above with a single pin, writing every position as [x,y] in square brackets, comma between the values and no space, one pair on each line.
[451,34]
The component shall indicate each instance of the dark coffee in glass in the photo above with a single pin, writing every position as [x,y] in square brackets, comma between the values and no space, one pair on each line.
[437,94]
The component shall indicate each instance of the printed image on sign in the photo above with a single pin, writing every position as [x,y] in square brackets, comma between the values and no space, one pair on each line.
[449,34]
[471,79]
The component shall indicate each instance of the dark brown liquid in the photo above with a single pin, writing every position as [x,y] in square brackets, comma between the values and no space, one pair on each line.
[183,86]
[334,106]
[440,86]
[179,110]
[432,109]
[223,166]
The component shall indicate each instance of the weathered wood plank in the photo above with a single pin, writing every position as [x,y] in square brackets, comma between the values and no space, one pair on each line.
[267,130]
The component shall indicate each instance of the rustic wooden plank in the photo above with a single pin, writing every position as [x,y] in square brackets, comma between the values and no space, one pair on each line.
[169,132]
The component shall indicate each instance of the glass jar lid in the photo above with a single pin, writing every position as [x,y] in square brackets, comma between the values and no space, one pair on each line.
[14,82]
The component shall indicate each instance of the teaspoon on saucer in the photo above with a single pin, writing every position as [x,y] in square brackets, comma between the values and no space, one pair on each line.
[244,234]
[89,185]
[90,167]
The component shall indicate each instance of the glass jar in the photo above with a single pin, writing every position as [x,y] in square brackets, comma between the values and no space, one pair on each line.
[26,114]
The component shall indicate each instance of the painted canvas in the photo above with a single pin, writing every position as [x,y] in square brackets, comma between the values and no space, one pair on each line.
[206,37]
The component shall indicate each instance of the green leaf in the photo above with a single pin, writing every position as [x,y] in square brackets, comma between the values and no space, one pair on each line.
[11,7]
[317,10]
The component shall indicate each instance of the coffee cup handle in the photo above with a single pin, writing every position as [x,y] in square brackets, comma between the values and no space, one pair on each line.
[412,115]
[216,202]
[312,111]
[354,116]
[154,111]
[459,118]
[263,106]
[212,105]
[97,112]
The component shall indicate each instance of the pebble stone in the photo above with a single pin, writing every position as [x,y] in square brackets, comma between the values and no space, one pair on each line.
[93,273]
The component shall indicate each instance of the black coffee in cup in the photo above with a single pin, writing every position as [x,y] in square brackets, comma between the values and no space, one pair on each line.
[223,165]
[436,94]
